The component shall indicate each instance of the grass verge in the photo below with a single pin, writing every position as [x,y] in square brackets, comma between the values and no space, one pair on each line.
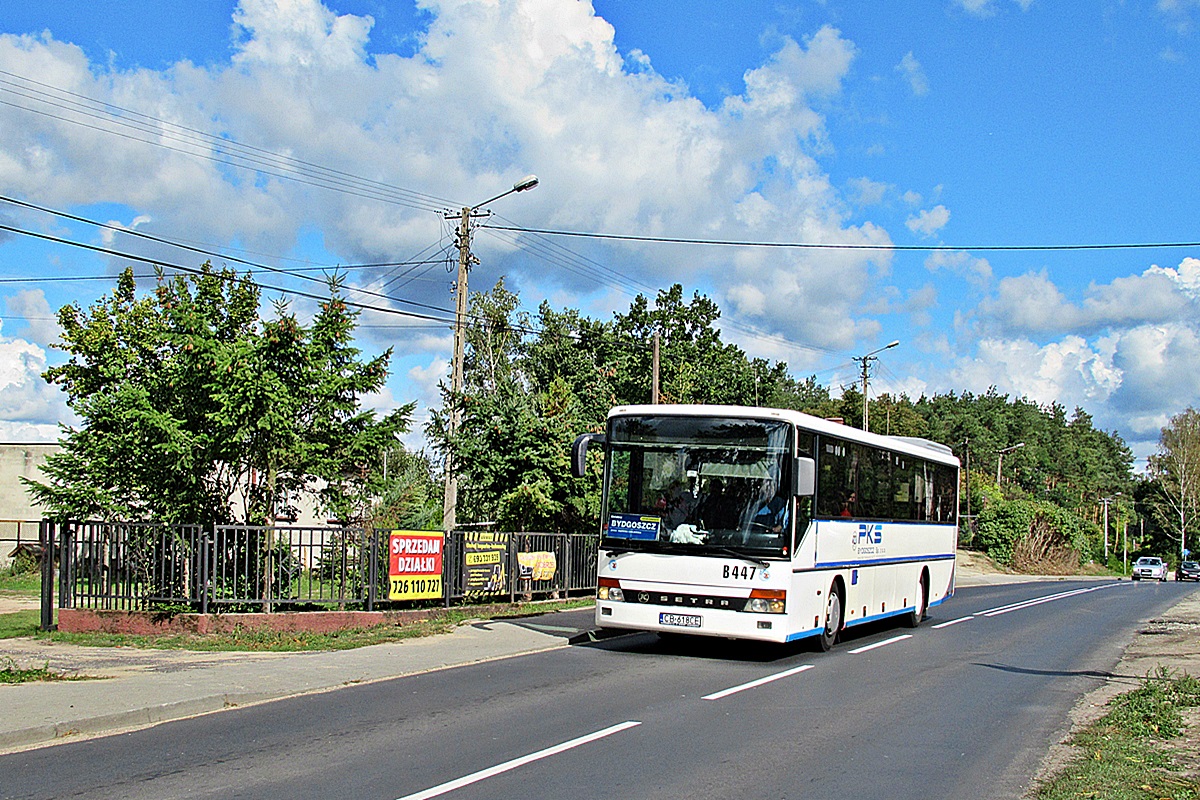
[1127,752]
[28,584]
[11,673]
[20,623]
[292,641]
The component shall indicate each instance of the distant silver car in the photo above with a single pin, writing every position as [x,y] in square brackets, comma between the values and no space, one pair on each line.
[1150,568]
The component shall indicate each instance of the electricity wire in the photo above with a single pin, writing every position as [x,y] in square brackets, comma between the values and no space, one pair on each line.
[624,237]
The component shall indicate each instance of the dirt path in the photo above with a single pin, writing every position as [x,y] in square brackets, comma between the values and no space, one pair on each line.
[10,603]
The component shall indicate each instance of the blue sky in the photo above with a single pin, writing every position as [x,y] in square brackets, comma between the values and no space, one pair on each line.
[959,125]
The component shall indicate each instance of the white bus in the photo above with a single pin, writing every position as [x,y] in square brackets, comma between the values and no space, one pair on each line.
[761,523]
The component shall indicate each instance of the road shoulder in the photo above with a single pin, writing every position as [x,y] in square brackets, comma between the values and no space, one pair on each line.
[1171,641]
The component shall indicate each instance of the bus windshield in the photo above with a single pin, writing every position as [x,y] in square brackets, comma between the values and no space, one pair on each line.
[698,484]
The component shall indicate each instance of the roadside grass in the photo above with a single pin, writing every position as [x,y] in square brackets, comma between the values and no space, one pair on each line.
[292,641]
[1127,752]
[11,673]
[26,584]
[20,623]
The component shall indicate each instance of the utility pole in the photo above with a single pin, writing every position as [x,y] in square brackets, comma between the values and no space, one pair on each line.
[1105,501]
[450,504]
[654,366]
[866,363]
[465,259]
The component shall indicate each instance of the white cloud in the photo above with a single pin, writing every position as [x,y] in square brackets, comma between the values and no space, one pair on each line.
[976,271]
[1126,351]
[27,402]
[495,91]
[1033,304]
[911,69]
[1179,13]
[979,8]
[1068,371]
[866,192]
[299,34]
[929,222]
[31,304]
[987,8]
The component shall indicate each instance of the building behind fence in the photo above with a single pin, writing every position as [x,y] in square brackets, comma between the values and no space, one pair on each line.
[240,568]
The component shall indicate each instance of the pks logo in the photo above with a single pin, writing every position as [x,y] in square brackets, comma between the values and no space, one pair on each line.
[867,534]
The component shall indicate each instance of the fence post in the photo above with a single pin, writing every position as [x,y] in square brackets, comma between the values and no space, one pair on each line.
[373,568]
[206,548]
[66,566]
[514,569]
[46,536]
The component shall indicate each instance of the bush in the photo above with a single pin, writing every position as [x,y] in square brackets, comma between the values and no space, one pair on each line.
[25,562]
[1034,536]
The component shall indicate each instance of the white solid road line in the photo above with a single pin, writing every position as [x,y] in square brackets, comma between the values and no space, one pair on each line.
[476,777]
[952,622]
[884,643]
[995,612]
[759,682]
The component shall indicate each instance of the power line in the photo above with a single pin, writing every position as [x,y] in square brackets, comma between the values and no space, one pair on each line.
[79,278]
[234,153]
[199,250]
[194,271]
[847,246]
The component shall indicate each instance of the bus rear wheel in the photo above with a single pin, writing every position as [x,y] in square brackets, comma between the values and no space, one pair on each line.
[920,602]
[833,619]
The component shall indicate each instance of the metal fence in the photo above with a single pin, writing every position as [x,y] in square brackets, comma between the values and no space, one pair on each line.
[149,567]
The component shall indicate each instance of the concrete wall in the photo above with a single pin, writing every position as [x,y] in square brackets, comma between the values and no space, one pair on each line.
[18,514]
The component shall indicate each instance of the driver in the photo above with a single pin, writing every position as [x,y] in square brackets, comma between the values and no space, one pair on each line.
[773,507]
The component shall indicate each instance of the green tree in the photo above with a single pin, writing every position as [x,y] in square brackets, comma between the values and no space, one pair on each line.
[1175,470]
[190,401]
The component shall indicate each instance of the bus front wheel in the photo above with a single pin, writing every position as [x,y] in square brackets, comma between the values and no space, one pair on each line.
[833,619]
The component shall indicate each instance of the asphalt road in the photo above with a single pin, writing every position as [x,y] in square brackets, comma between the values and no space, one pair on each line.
[965,706]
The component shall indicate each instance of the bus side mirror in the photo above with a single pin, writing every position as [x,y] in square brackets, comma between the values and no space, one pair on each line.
[579,450]
[804,472]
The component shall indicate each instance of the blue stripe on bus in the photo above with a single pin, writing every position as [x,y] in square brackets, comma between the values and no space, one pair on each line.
[814,631]
[876,617]
[804,634]
[876,562]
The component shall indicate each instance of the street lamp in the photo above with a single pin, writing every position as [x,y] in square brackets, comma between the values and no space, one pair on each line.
[866,361]
[1001,453]
[450,505]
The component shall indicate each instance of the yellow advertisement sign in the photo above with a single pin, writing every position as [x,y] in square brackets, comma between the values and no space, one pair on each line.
[486,561]
[539,566]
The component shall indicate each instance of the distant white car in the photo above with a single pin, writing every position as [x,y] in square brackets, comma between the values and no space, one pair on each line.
[1149,567]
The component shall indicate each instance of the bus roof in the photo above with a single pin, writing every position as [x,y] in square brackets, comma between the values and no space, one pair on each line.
[912,445]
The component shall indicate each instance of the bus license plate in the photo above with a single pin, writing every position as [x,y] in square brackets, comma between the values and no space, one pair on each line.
[679,620]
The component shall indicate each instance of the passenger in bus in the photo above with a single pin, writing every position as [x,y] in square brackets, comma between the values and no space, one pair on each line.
[718,510]
[677,505]
[848,505]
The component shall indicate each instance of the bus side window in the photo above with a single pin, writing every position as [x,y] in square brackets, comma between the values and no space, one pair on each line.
[833,484]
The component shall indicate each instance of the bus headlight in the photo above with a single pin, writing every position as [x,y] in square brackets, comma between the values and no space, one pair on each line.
[766,601]
[610,589]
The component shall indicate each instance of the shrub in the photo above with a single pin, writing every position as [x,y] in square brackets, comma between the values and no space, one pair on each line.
[25,562]
[1034,536]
